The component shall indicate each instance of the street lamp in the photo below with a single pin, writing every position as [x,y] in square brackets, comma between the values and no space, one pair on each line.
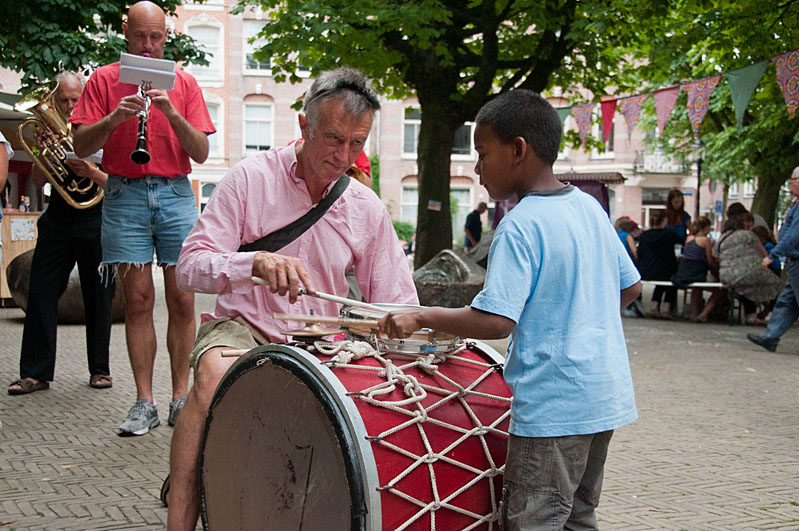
[697,156]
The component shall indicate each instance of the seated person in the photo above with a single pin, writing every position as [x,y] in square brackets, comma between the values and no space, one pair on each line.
[740,256]
[697,256]
[262,194]
[656,261]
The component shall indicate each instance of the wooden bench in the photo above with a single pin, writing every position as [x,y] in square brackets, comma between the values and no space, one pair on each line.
[731,317]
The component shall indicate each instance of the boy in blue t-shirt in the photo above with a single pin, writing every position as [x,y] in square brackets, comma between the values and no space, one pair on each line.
[557,277]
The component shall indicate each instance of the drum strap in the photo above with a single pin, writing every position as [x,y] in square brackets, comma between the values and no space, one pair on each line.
[278,239]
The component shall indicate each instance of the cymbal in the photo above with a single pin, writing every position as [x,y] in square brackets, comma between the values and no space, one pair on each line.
[313,330]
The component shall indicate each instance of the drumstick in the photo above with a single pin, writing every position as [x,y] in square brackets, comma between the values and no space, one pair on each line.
[233,353]
[334,298]
[340,321]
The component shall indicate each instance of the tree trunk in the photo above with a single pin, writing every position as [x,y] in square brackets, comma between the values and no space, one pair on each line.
[768,193]
[434,222]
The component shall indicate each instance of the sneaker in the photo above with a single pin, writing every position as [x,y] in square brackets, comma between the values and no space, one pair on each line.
[174,410]
[769,344]
[141,418]
[629,312]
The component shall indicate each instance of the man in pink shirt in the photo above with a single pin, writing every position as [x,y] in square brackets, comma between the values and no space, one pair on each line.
[147,207]
[260,195]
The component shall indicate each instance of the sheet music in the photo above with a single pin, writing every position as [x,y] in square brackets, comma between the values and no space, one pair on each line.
[135,69]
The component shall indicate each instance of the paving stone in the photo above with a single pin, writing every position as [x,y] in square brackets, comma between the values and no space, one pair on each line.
[715,447]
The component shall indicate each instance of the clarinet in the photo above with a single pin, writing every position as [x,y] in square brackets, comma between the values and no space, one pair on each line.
[140,155]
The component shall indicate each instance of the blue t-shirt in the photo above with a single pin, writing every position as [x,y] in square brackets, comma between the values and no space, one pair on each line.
[556,268]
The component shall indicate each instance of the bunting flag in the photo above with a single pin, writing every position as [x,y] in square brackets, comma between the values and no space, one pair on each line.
[563,113]
[699,92]
[630,108]
[788,78]
[742,85]
[665,99]
[582,115]
[608,112]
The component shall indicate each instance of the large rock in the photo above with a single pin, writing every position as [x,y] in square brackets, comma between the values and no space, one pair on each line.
[479,253]
[70,305]
[451,279]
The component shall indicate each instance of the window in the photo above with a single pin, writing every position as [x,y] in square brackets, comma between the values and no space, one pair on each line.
[462,203]
[257,127]
[409,202]
[733,190]
[463,140]
[749,189]
[598,133]
[208,39]
[214,145]
[655,196]
[251,29]
[205,194]
[412,121]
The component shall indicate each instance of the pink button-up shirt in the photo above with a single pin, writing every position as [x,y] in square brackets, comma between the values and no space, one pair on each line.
[261,194]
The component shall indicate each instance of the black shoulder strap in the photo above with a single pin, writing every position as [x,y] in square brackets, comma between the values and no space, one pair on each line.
[281,237]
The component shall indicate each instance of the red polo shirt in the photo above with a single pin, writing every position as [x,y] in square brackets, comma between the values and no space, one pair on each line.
[102,95]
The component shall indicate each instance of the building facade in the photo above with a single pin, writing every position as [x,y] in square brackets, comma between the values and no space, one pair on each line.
[252,112]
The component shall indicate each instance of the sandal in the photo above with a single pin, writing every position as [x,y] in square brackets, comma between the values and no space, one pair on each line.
[24,386]
[165,491]
[101,381]
[752,321]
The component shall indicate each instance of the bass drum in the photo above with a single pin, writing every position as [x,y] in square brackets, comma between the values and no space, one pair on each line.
[387,441]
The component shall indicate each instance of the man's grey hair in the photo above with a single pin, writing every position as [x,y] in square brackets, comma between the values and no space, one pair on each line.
[65,74]
[349,85]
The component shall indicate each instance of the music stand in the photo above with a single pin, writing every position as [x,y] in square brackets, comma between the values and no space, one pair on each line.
[138,70]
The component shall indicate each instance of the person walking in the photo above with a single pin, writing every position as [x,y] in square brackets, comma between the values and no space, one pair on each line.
[786,310]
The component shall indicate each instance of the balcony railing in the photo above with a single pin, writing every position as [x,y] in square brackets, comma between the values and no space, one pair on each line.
[658,162]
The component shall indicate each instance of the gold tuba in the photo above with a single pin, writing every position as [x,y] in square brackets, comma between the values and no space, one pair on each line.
[78,192]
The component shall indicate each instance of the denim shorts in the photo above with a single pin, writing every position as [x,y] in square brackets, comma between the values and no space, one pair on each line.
[145,216]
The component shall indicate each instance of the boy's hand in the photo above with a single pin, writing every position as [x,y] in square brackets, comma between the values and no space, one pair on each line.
[401,323]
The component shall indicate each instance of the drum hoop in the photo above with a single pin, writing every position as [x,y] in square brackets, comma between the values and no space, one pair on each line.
[350,430]
[488,351]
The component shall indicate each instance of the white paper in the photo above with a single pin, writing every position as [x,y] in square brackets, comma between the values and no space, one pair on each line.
[135,69]
[96,158]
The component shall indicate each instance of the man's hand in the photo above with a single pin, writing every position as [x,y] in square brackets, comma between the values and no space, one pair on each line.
[43,136]
[767,262]
[160,99]
[127,109]
[283,273]
[401,323]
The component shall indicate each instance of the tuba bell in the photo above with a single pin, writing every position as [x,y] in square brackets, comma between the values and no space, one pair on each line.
[78,192]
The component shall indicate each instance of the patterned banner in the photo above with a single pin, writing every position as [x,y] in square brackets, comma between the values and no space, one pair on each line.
[788,78]
[630,108]
[698,98]
[608,112]
[664,104]
[582,115]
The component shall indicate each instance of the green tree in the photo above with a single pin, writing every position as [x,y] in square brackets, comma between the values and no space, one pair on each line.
[703,38]
[454,56]
[41,37]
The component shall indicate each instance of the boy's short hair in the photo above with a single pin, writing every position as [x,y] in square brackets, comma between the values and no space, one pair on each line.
[524,113]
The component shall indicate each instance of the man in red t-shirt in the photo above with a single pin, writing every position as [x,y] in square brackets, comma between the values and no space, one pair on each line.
[149,207]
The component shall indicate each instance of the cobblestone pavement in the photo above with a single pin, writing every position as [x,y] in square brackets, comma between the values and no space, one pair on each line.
[716,446]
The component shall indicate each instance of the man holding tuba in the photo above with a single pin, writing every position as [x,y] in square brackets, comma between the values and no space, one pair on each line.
[67,235]
[148,207]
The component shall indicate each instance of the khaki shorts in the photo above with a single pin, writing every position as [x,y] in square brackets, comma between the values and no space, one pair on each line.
[224,332]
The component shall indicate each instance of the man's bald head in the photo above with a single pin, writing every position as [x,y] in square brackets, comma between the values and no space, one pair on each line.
[145,30]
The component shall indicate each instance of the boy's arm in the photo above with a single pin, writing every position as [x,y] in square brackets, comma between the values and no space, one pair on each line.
[628,295]
[462,322]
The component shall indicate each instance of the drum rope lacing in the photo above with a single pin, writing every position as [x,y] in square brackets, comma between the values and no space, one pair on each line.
[343,353]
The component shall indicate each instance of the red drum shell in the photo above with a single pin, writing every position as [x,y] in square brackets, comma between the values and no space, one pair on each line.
[341,424]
